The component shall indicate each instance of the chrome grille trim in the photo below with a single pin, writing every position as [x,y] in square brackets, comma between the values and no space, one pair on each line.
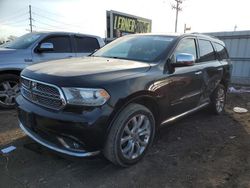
[46,95]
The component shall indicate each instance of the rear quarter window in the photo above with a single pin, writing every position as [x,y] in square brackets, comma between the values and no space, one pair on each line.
[86,44]
[221,51]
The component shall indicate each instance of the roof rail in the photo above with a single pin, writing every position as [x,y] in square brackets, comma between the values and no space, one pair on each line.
[197,33]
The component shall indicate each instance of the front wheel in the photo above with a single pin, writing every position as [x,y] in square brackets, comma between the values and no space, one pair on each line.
[218,99]
[9,89]
[131,134]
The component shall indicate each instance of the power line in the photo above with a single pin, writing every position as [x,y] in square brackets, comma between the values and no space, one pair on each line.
[17,13]
[55,21]
[44,29]
[16,22]
[41,10]
[53,26]
[14,18]
[20,19]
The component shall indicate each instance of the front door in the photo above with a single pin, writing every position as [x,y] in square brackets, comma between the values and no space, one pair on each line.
[186,82]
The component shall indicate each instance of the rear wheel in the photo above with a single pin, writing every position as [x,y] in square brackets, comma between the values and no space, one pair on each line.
[131,134]
[218,99]
[9,89]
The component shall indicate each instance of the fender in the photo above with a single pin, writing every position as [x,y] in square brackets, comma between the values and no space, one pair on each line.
[139,96]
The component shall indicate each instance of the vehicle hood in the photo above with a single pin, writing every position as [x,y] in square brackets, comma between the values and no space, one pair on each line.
[7,51]
[85,70]
[12,57]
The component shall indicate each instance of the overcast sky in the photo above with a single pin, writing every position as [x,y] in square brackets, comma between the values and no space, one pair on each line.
[89,16]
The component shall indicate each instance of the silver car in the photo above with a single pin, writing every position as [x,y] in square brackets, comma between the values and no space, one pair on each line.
[35,48]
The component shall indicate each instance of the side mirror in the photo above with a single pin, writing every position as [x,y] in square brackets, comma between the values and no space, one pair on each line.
[45,47]
[183,60]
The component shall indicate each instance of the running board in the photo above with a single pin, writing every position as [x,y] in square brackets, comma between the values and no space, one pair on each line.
[174,118]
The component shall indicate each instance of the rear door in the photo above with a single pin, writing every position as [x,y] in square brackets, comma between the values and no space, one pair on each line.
[212,68]
[186,82]
[85,45]
[62,49]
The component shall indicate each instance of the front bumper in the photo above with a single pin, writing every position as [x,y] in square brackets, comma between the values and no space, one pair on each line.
[54,147]
[78,134]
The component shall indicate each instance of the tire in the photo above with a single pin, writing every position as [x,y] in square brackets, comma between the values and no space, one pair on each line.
[125,135]
[218,100]
[9,89]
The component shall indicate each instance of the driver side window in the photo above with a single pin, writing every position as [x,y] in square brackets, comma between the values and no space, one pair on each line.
[61,44]
[186,46]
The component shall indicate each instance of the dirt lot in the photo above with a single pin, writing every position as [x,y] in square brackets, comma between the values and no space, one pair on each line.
[201,150]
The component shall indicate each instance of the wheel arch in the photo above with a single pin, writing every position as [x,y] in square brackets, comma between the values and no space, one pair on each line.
[146,98]
[225,80]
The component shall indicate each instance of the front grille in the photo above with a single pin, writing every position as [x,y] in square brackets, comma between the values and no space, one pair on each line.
[43,94]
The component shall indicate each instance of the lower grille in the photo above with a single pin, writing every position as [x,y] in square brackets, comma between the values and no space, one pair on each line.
[43,94]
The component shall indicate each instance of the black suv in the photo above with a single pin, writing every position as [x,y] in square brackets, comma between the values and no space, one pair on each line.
[114,100]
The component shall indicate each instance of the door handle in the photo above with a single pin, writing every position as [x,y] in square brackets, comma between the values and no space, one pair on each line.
[70,56]
[219,69]
[198,72]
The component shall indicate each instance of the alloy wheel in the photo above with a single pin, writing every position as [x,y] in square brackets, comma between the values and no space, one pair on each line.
[8,92]
[135,137]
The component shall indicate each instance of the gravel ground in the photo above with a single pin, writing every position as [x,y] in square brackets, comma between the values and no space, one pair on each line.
[202,150]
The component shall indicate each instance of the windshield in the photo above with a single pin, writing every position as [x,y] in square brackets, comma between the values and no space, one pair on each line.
[22,42]
[136,47]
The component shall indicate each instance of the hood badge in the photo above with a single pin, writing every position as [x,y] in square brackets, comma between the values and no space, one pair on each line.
[33,85]
[32,90]
[27,60]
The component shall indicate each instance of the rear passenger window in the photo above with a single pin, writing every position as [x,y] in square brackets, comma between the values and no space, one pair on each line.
[86,44]
[186,46]
[61,44]
[221,51]
[206,51]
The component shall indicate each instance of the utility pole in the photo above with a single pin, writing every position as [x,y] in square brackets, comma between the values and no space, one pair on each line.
[177,8]
[30,18]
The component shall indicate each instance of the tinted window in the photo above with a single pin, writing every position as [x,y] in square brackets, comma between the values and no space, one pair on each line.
[86,44]
[186,46]
[206,51]
[221,51]
[61,44]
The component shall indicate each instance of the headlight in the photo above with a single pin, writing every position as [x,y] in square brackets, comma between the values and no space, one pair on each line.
[85,96]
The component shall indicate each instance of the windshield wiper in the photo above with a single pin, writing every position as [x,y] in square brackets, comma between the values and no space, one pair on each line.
[93,52]
[115,57]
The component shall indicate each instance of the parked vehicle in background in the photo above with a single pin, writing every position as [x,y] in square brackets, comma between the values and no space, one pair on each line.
[114,100]
[35,48]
